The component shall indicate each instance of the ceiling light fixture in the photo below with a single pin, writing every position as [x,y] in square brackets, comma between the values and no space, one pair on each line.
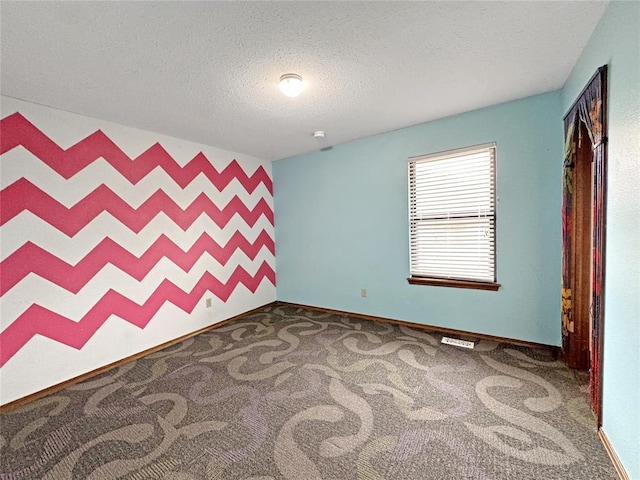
[291,84]
[319,134]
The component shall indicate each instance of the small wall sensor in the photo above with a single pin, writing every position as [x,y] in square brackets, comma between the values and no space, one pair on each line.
[319,134]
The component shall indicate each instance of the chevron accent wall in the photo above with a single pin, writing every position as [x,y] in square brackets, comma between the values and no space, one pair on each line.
[110,244]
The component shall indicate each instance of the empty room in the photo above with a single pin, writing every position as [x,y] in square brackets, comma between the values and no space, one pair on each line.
[306,240]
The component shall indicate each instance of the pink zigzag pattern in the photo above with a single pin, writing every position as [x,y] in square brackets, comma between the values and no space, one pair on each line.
[31,258]
[17,130]
[23,195]
[37,320]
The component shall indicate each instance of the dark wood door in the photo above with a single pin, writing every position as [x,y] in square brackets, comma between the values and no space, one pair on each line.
[577,352]
[584,233]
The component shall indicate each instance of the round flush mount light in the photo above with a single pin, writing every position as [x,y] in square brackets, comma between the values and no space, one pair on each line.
[291,84]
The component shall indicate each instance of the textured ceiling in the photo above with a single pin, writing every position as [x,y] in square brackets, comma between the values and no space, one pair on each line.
[208,71]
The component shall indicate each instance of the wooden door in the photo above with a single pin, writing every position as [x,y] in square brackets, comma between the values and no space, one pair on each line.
[583,233]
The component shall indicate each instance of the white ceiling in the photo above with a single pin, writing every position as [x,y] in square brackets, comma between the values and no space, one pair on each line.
[208,71]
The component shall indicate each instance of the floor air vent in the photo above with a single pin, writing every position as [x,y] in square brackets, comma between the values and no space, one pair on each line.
[457,342]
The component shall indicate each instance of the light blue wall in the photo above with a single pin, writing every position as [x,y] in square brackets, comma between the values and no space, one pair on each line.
[341,224]
[616,42]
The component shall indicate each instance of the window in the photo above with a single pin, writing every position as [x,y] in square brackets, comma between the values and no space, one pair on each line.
[452,218]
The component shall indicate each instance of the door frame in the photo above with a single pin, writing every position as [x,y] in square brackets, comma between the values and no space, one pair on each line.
[590,109]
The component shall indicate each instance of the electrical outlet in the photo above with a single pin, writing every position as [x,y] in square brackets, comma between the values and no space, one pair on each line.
[363,293]
[207,303]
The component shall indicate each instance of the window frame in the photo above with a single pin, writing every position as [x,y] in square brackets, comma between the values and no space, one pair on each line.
[453,281]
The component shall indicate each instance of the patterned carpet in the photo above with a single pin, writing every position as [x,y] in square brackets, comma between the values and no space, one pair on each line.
[289,393]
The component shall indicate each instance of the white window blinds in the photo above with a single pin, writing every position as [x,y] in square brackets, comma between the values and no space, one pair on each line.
[452,214]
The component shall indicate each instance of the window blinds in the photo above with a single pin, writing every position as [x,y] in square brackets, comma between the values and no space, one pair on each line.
[452,214]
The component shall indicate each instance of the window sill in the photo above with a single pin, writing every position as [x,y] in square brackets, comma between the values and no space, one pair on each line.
[445,282]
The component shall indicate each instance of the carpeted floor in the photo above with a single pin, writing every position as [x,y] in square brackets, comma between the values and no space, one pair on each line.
[298,394]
